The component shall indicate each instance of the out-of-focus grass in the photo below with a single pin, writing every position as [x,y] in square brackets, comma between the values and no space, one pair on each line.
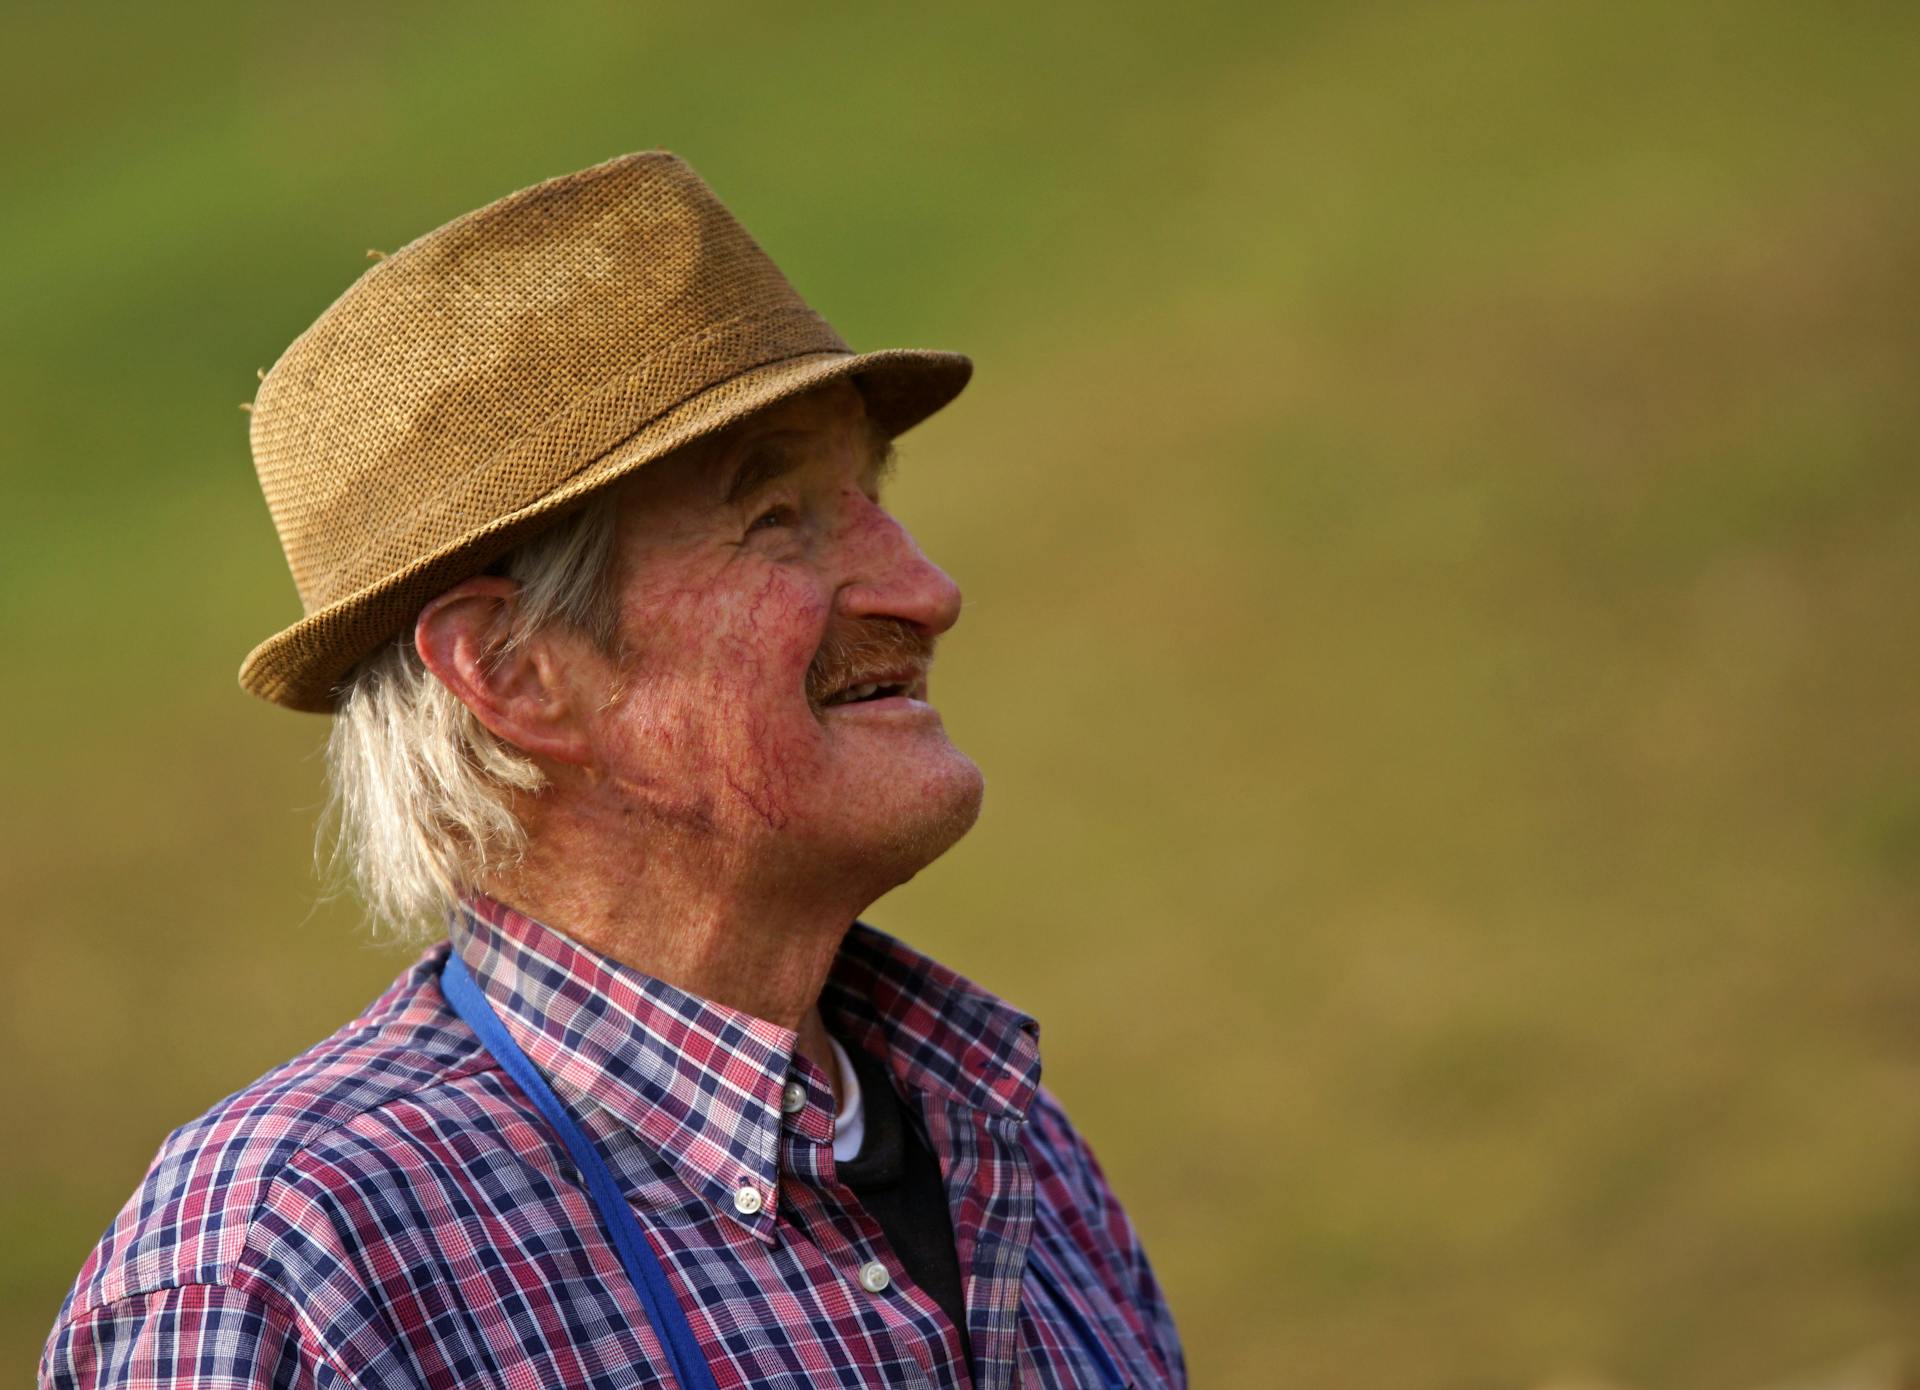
[1441,531]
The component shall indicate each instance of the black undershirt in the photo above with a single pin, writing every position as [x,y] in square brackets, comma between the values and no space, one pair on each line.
[897,1179]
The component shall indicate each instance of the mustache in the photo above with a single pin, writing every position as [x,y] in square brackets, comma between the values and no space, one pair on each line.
[863,647]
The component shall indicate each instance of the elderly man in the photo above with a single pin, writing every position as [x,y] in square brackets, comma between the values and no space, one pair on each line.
[627,663]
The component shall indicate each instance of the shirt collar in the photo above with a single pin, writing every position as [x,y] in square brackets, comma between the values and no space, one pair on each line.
[701,1083]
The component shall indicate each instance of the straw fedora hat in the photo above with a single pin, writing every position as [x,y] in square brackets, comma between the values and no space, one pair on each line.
[473,386]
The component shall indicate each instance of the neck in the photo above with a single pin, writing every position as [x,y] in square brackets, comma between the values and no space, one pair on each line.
[764,951]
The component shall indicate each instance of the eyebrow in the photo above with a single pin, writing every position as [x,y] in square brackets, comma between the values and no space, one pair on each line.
[773,455]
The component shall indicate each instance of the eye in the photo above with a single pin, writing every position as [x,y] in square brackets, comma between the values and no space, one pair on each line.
[772,517]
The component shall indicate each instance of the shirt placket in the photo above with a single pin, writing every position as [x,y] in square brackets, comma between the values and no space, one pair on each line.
[852,1243]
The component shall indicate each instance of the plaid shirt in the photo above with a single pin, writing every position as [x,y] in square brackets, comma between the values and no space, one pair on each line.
[389,1211]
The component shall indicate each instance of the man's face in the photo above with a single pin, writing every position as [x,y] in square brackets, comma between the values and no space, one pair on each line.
[779,624]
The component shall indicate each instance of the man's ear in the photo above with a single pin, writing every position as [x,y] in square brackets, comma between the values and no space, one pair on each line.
[516,689]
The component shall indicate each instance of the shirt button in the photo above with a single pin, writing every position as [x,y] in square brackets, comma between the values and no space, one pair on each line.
[874,1277]
[793,1099]
[746,1200]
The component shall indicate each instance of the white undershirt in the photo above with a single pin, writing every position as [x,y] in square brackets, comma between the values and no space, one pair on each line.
[850,1122]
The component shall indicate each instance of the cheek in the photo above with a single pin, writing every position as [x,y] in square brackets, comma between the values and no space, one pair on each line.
[714,710]
[767,634]
[723,631]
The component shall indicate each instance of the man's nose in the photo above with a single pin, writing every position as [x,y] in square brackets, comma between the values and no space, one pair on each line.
[891,577]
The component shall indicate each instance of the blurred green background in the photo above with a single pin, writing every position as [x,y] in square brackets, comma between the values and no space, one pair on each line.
[1441,525]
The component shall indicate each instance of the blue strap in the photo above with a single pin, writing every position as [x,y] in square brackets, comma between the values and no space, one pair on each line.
[643,1267]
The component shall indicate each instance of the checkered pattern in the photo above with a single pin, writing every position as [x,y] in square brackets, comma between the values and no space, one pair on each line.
[388,1210]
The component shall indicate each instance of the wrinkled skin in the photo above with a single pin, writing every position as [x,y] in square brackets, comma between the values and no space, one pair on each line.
[711,817]
[727,607]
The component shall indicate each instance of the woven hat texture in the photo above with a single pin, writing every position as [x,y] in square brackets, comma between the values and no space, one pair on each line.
[473,386]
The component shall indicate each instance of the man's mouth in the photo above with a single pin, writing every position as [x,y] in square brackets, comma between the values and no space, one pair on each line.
[875,686]
[867,662]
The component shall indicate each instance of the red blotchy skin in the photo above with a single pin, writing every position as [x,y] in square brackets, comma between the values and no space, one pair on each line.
[710,817]
[726,608]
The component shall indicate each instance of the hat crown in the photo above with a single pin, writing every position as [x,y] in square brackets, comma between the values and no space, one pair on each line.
[482,365]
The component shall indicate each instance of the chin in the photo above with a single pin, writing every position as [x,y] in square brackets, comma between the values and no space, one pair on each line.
[911,822]
[958,804]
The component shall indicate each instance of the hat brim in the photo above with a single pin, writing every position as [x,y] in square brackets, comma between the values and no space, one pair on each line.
[302,667]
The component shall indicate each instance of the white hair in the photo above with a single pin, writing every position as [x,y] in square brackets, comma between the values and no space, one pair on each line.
[419,789]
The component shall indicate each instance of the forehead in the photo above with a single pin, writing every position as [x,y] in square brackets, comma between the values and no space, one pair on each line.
[836,405]
[830,417]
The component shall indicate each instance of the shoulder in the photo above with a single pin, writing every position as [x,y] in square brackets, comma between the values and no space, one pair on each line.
[195,1217]
[1060,1153]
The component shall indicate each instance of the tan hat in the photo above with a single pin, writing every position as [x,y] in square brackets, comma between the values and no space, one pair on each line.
[473,385]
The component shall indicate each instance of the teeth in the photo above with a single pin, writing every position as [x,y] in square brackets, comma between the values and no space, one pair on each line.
[862,692]
[866,691]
